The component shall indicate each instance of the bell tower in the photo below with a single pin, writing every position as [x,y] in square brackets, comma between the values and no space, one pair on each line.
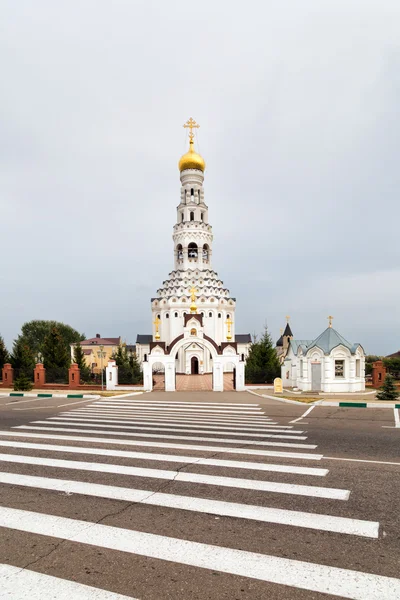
[192,233]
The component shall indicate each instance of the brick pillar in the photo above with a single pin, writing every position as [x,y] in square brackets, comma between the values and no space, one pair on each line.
[39,376]
[74,376]
[7,375]
[378,374]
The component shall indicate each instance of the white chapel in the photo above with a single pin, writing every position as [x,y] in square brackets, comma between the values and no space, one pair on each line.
[193,313]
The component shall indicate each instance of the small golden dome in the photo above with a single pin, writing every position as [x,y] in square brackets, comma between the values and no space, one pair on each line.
[191,160]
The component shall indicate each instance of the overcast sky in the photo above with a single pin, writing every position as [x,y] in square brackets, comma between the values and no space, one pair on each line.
[298,102]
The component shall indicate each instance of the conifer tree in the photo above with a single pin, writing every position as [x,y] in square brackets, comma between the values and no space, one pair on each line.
[388,390]
[137,376]
[22,359]
[128,367]
[4,357]
[262,365]
[56,358]
[79,358]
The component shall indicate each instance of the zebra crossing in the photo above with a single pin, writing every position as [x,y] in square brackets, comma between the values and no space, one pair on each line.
[193,459]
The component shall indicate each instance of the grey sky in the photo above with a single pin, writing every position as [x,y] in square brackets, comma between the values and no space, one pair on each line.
[298,103]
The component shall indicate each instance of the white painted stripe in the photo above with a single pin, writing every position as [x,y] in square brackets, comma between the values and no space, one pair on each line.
[128,425]
[188,410]
[375,462]
[294,518]
[163,436]
[113,441]
[178,403]
[182,413]
[396,417]
[181,405]
[178,458]
[345,583]
[73,403]
[18,583]
[235,482]
[176,423]
[185,419]
[304,414]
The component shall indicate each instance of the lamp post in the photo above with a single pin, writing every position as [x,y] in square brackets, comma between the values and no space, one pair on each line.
[101,355]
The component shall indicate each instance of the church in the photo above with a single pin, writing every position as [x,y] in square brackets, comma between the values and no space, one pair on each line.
[193,313]
[328,363]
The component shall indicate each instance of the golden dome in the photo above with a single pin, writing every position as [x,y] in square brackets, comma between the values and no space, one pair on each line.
[191,160]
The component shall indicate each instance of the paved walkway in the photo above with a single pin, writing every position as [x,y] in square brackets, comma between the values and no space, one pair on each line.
[193,383]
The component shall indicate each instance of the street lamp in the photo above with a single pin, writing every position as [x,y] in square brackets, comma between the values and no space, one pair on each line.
[101,355]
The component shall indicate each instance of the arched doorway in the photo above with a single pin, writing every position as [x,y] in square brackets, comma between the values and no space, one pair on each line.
[158,375]
[230,377]
[194,363]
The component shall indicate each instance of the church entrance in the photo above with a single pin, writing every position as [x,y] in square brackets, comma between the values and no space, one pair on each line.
[194,362]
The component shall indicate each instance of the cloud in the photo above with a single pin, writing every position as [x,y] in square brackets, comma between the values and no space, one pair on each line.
[298,110]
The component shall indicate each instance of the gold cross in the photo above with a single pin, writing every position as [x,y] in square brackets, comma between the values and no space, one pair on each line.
[191,124]
[229,323]
[330,320]
[287,318]
[193,293]
[157,324]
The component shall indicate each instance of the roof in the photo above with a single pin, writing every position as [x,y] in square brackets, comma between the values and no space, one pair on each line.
[288,331]
[243,338]
[279,343]
[394,355]
[330,339]
[102,341]
[144,338]
[296,343]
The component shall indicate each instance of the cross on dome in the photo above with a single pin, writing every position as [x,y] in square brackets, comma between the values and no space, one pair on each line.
[191,124]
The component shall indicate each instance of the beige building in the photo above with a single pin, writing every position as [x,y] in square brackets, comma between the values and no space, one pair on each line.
[94,347]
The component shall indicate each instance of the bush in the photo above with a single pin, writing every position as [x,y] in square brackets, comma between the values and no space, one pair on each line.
[22,384]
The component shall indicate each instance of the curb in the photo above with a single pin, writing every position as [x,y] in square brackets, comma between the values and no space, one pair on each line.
[22,395]
[361,404]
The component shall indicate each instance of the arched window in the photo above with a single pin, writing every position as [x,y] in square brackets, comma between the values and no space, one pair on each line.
[192,250]
[179,251]
[205,251]
[145,358]
[176,357]
[228,316]
[192,216]
[182,217]
[242,357]
[192,195]
[210,314]
[219,315]
[193,331]
[202,216]
[176,314]
[167,316]
[202,314]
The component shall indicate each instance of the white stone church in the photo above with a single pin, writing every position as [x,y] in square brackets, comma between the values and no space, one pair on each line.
[193,313]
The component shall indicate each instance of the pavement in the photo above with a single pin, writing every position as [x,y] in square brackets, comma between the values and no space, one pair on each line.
[197,495]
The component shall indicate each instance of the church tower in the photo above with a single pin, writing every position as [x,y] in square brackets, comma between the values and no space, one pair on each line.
[193,289]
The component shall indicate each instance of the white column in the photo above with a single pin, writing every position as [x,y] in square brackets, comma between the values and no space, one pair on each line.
[147,376]
[169,373]
[240,383]
[218,375]
[111,375]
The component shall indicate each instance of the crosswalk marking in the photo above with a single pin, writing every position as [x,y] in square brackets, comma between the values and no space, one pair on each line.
[117,424]
[181,414]
[18,583]
[161,422]
[226,509]
[193,411]
[171,437]
[112,441]
[189,419]
[346,583]
[235,482]
[179,403]
[215,462]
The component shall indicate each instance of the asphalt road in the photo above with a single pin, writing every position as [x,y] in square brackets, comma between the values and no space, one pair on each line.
[205,496]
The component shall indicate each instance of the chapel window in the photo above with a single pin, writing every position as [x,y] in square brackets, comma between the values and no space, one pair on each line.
[167,316]
[202,216]
[193,331]
[242,357]
[339,368]
[219,315]
[210,314]
[192,250]
[176,314]
[192,216]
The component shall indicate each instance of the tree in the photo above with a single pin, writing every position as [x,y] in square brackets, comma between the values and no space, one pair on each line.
[56,358]
[23,384]
[128,367]
[33,333]
[22,359]
[262,364]
[388,390]
[79,358]
[4,356]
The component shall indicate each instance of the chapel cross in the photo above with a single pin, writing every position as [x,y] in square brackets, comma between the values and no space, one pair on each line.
[191,124]
[287,318]
[157,324]
[330,320]
[193,293]
[229,322]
